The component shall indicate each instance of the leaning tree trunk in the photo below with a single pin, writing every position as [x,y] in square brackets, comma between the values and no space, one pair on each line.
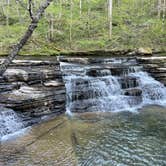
[80,5]
[15,50]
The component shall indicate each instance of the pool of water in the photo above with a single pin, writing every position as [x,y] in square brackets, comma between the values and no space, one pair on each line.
[91,139]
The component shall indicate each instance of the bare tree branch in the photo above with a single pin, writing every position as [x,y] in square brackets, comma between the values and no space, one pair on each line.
[30,8]
[33,25]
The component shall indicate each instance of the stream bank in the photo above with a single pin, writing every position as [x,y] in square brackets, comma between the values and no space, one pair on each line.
[35,88]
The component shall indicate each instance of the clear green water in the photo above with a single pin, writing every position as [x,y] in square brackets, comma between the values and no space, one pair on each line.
[92,139]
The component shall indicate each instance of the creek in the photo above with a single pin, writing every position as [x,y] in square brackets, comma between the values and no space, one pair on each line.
[115,115]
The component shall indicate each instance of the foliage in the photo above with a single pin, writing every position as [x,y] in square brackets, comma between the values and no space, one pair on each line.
[135,24]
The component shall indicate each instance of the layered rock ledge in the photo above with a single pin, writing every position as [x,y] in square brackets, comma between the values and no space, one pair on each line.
[33,87]
[156,66]
[36,87]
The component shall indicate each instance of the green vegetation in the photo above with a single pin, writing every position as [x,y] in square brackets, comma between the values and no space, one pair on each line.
[66,27]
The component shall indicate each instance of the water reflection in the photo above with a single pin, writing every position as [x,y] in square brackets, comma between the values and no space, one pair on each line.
[122,139]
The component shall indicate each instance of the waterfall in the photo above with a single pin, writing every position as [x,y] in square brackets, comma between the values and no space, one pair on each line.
[111,85]
[9,122]
[153,92]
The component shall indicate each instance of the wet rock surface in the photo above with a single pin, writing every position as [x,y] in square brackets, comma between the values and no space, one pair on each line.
[36,87]
[154,65]
[112,84]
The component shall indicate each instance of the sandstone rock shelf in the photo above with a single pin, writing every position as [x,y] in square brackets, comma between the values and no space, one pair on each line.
[33,87]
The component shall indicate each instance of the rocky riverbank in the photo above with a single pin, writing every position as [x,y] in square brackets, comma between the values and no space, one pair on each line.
[33,87]
[36,88]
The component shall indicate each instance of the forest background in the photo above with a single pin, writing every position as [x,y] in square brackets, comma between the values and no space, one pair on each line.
[83,25]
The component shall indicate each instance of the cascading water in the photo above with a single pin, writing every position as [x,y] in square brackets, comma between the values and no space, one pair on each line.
[9,122]
[153,92]
[110,85]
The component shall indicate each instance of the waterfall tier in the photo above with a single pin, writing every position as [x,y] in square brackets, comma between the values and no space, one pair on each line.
[110,85]
[9,122]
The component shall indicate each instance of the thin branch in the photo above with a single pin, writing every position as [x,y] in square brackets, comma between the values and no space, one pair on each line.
[30,8]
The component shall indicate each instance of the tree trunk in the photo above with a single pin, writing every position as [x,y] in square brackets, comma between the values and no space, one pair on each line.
[18,12]
[110,18]
[164,10]
[159,9]
[61,8]
[25,37]
[80,8]
[88,21]
[71,23]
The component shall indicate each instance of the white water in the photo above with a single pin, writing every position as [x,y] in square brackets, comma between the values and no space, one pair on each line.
[153,91]
[105,93]
[9,122]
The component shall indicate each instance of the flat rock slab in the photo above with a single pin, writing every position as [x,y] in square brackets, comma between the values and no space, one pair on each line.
[31,74]
[32,62]
[49,143]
